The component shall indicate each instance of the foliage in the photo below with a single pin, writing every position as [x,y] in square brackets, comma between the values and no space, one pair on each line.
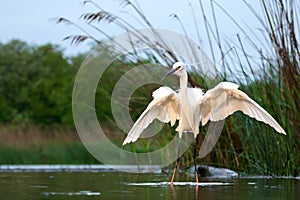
[36,84]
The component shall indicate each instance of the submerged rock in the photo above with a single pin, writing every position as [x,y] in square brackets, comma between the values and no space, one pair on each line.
[214,172]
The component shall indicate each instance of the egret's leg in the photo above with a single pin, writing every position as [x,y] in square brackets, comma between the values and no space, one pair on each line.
[176,166]
[195,164]
[174,172]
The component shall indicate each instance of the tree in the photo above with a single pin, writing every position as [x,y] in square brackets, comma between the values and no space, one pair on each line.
[36,84]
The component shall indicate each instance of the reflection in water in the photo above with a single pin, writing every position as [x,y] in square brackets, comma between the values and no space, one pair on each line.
[115,185]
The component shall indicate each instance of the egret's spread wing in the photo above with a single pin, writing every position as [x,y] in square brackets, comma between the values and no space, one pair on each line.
[164,106]
[213,133]
[225,99]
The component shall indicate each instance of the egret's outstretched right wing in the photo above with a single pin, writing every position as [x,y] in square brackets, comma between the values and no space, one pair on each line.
[164,107]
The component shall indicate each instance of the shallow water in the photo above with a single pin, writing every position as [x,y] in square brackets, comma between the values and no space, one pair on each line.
[121,185]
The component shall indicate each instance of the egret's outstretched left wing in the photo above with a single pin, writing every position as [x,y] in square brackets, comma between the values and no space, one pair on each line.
[225,99]
[164,107]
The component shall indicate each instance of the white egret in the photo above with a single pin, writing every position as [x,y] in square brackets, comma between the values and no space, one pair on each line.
[191,106]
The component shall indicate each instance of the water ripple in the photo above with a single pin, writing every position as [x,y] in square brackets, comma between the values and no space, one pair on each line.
[80,193]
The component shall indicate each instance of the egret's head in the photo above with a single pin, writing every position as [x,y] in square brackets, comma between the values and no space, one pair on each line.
[177,69]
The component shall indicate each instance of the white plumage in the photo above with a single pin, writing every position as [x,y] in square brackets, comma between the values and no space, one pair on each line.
[191,105]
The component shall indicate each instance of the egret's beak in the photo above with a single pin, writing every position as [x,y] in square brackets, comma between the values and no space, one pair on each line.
[169,73]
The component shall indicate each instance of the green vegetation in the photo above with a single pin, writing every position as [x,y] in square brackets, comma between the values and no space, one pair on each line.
[36,84]
[35,105]
[50,153]
[33,144]
[36,87]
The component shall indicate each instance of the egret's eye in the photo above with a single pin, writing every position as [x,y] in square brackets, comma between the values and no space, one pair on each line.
[178,67]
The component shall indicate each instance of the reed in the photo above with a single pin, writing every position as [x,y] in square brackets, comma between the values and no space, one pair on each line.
[250,146]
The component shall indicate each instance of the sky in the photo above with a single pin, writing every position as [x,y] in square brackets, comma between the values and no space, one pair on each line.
[33,21]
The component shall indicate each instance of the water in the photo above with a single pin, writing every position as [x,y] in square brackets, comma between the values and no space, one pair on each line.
[120,185]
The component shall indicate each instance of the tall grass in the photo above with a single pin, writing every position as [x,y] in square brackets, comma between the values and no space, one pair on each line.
[245,145]
[40,145]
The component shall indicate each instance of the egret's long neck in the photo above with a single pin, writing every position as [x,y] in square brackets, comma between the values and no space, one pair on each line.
[183,81]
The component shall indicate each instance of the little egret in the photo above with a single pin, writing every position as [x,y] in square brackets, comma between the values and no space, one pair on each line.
[191,106]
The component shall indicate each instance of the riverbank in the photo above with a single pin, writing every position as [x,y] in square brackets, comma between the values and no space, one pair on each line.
[27,145]
[42,145]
